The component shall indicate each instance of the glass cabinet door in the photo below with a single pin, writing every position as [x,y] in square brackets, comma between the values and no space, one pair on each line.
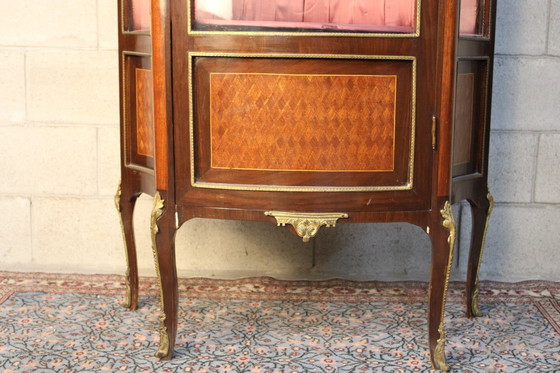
[377,16]
[138,15]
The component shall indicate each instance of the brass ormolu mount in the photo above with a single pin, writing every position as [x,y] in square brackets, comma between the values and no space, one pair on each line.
[306,225]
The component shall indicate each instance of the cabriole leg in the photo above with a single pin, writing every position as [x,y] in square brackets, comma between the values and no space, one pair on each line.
[442,234]
[480,217]
[125,207]
[163,246]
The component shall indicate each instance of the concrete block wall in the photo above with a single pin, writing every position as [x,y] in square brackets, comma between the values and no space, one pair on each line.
[59,164]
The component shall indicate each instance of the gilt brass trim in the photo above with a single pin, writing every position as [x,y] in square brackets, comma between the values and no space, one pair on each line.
[128,297]
[475,308]
[415,34]
[449,224]
[434,132]
[157,211]
[306,225]
[325,189]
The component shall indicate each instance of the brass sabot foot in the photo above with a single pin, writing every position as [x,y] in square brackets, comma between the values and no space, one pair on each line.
[162,353]
[163,350]
[439,352]
[475,309]
[128,299]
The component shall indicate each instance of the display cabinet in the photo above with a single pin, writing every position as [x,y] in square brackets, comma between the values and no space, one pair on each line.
[306,114]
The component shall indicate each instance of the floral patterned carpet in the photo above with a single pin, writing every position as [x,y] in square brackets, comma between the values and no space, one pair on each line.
[75,323]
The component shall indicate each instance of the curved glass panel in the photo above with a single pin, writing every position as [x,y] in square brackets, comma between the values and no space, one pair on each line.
[377,16]
[472,17]
[139,15]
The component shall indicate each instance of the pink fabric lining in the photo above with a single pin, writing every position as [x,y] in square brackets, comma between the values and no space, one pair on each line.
[469,15]
[364,15]
[310,25]
[377,15]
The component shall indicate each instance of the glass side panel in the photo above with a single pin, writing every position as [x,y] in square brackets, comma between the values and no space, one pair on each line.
[376,16]
[139,15]
[472,17]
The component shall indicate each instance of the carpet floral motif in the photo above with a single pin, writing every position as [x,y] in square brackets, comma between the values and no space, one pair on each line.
[72,323]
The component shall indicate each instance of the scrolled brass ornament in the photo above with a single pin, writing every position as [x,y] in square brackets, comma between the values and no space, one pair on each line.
[306,225]
[157,211]
[448,223]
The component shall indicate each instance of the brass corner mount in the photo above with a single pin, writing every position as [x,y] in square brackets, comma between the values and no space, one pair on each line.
[306,225]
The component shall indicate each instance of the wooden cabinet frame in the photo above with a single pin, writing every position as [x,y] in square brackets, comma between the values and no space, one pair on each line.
[439,137]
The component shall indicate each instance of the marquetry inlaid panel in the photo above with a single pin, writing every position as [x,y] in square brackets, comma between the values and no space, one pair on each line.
[303,122]
[464,112]
[144,113]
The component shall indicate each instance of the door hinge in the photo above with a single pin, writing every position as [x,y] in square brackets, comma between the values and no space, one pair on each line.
[434,132]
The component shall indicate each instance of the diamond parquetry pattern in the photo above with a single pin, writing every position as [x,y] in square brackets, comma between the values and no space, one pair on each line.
[303,122]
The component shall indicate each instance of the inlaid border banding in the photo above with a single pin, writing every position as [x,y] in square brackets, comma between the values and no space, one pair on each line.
[249,187]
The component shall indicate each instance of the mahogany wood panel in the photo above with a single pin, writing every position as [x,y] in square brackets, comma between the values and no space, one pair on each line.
[446,75]
[136,42]
[161,57]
